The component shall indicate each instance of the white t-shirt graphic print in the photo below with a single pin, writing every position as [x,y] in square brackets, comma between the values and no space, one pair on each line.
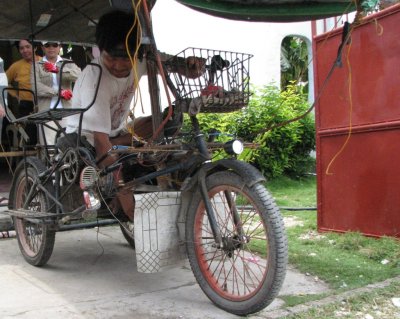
[112,105]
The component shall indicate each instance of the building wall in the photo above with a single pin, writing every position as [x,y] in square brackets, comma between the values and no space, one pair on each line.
[177,27]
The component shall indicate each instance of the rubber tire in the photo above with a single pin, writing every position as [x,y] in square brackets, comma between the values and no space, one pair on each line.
[36,256]
[276,247]
[129,235]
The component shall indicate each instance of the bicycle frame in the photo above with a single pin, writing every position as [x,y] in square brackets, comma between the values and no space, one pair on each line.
[223,211]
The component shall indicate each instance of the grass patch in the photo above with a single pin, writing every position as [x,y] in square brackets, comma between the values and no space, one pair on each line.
[293,300]
[294,193]
[375,304]
[343,261]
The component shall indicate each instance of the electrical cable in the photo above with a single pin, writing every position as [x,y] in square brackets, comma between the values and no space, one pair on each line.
[94,262]
[327,172]
[379,31]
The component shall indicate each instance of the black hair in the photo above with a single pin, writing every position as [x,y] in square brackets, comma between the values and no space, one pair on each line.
[112,29]
[34,44]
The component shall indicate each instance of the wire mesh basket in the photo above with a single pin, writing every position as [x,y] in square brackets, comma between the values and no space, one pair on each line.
[221,86]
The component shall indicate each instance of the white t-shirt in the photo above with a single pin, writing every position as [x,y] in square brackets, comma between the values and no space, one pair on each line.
[112,105]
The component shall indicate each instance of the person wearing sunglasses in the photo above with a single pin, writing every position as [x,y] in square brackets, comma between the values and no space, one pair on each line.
[47,77]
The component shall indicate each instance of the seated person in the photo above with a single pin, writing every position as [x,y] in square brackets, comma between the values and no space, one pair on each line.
[103,123]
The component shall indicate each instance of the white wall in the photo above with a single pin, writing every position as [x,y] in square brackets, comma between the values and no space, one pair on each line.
[177,27]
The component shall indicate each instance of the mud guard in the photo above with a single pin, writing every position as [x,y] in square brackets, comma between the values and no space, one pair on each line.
[249,173]
[30,160]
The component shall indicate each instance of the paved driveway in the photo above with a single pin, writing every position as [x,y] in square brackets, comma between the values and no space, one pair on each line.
[93,275]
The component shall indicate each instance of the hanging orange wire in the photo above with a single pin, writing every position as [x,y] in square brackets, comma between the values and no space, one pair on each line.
[327,172]
[379,31]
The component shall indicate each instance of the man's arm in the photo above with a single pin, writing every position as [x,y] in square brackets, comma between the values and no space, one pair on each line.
[2,112]
[102,144]
[142,127]
[123,139]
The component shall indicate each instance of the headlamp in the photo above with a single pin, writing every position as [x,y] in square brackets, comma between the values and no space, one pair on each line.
[234,147]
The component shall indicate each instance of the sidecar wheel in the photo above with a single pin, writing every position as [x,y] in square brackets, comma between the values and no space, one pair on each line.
[127,229]
[35,240]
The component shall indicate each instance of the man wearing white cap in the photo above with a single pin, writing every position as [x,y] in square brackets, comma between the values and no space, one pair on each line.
[47,73]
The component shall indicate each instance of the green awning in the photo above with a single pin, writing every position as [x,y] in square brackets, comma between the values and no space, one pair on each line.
[271,10]
[73,21]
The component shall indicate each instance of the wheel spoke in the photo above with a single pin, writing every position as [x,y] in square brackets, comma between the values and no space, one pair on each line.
[239,269]
[36,240]
[236,272]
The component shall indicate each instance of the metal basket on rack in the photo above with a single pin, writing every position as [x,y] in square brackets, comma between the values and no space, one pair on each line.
[222,87]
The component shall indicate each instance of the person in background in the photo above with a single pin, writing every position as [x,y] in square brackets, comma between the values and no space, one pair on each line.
[47,77]
[2,115]
[19,75]
[104,123]
[3,84]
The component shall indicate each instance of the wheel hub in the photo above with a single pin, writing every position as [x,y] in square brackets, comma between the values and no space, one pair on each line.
[232,243]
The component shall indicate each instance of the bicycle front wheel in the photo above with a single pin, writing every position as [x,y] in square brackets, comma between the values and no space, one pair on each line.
[245,273]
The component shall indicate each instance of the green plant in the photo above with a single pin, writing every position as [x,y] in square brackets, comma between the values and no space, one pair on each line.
[282,150]
[285,149]
[214,125]
[294,62]
[376,303]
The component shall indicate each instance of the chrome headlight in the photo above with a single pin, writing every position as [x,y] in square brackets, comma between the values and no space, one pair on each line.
[234,147]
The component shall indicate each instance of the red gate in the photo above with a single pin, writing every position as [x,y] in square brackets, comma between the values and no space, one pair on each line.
[358,128]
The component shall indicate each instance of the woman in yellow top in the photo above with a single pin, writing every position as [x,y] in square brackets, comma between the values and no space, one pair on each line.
[19,77]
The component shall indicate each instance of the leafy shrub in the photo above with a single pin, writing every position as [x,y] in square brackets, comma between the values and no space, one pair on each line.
[283,150]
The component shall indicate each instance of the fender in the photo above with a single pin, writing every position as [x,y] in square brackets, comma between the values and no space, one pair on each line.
[248,172]
[36,163]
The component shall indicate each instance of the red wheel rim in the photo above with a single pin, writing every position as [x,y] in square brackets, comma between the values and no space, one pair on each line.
[29,234]
[235,272]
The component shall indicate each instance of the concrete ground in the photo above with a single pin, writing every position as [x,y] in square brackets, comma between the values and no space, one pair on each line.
[92,274]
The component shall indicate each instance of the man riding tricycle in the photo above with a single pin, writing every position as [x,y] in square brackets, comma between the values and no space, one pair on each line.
[106,164]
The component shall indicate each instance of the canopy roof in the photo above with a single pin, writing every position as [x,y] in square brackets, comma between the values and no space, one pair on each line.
[73,21]
[272,10]
[62,20]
